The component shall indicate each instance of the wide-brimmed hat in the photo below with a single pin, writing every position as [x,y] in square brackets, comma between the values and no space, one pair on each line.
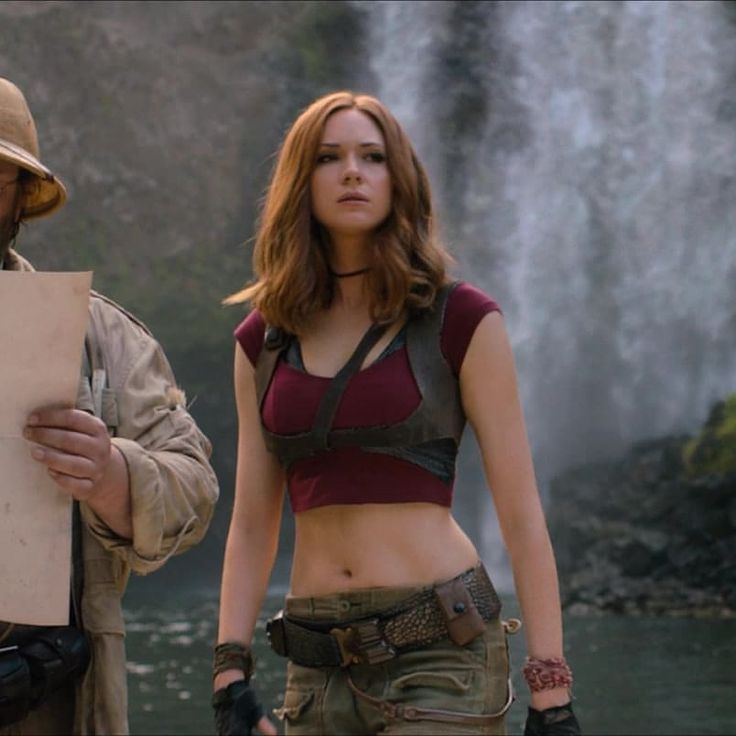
[19,145]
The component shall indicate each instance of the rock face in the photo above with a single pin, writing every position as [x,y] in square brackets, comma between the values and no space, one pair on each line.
[650,533]
[162,119]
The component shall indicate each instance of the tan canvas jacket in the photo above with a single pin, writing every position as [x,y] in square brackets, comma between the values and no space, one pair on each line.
[173,492]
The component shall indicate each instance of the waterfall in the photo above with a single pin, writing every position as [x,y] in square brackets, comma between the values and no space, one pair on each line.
[583,156]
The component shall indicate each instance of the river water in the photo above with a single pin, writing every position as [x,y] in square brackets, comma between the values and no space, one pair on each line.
[633,675]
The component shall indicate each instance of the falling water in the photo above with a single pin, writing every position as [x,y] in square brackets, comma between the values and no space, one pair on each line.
[584,161]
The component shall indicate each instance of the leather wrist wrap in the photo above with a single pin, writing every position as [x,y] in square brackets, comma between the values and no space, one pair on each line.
[232,655]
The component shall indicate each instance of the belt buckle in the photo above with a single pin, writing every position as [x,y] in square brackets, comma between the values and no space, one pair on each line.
[362,643]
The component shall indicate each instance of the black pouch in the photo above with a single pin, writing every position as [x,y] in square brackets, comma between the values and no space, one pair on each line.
[55,657]
[464,622]
[15,686]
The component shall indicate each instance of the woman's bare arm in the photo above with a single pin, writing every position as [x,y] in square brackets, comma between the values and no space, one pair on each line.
[254,526]
[491,400]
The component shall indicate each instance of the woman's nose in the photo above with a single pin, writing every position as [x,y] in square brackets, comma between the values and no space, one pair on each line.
[351,172]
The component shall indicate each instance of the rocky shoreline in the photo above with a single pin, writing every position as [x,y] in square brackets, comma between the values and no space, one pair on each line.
[653,533]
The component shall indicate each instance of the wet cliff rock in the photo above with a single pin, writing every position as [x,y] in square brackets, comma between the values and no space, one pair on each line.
[653,532]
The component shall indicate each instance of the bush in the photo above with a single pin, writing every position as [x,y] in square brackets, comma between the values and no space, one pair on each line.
[713,451]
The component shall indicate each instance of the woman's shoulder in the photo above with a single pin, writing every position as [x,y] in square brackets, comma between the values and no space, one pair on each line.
[250,334]
[466,307]
[465,299]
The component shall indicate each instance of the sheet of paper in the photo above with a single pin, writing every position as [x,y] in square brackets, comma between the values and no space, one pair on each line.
[43,318]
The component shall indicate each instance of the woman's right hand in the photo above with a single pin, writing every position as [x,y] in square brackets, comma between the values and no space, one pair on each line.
[224,678]
[237,711]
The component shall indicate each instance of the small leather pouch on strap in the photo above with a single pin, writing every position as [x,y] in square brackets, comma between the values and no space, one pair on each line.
[462,617]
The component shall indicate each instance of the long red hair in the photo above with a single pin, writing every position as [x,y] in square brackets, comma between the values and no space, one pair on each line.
[290,260]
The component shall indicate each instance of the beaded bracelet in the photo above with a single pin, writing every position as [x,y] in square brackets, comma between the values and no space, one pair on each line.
[232,655]
[547,674]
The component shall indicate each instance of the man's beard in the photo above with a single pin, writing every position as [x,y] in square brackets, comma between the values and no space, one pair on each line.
[8,231]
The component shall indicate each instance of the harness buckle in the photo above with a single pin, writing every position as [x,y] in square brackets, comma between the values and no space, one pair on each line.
[362,643]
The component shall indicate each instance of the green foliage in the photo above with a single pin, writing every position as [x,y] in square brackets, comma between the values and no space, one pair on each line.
[324,49]
[713,451]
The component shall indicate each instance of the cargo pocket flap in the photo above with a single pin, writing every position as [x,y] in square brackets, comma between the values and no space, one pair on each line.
[441,680]
[295,703]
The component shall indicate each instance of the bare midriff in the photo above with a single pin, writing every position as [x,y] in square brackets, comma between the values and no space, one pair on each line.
[349,546]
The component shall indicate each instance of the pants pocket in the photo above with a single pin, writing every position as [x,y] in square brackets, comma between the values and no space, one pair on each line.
[301,711]
[452,682]
[295,704]
[451,689]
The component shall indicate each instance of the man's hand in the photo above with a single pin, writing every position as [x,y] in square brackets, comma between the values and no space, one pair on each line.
[74,446]
[76,449]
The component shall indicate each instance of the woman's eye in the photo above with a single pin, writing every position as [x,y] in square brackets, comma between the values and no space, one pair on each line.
[376,157]
[323,158]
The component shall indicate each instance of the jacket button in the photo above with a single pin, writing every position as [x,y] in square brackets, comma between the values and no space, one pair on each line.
[459,607]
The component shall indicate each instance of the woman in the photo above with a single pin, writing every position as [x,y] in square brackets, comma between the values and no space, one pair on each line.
[391,624]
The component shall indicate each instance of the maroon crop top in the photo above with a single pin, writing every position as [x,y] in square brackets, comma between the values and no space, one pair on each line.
[384,393]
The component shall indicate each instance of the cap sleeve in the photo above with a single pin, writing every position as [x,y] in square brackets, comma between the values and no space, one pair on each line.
[466,307]
[250,333]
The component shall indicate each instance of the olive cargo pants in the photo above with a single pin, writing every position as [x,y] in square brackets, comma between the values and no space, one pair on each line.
[439,689]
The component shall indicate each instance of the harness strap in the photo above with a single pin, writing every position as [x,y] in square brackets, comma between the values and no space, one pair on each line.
[439,416]
[331,399]
[94,396]
[77,584]
[274,342]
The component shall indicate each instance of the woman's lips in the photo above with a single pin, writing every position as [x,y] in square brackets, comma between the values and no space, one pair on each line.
[353,197]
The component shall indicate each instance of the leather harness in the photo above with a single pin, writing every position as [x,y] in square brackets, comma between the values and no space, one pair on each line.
[439,415]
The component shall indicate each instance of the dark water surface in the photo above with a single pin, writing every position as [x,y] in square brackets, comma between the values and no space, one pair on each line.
[633,675]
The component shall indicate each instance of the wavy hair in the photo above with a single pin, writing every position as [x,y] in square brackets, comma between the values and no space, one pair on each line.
[292,279]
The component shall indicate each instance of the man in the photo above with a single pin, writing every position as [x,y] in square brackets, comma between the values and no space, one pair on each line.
[142,495]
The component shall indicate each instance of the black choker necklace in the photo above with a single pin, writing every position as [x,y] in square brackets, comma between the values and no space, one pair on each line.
[349,273]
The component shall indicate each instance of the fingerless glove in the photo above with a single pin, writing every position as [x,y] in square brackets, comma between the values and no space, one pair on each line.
[557,721]
[236,709]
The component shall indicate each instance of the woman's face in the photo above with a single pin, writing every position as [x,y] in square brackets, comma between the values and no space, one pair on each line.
[350,187]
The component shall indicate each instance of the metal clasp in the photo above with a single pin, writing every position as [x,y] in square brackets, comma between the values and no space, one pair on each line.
[362,643]
[276,634]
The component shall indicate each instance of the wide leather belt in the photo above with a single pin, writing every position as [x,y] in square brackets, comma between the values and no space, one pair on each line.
[448,610]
